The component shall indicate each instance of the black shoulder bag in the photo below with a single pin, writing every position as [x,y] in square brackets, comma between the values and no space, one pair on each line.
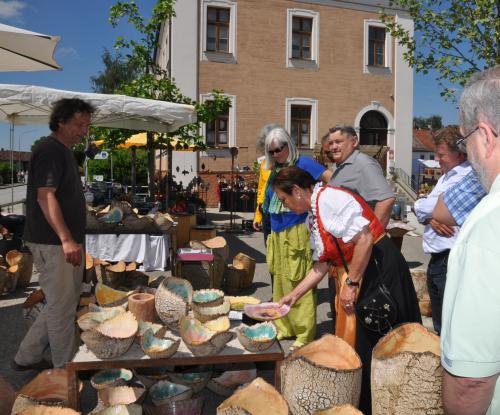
[377,310]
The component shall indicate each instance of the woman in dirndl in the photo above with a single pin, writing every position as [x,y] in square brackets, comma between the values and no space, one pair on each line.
[345,232]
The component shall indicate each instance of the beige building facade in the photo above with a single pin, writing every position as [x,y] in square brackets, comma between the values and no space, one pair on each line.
[306,65]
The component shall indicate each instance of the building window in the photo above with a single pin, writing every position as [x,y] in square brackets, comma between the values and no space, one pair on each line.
[301,120]
[218,31]
[302,39]
[377,49]
[422,156]
[217,133]
[222,131]
[376,46]
[300,127]
[373,129]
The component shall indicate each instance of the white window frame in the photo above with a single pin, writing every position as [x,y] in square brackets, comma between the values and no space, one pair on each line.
[231,142]
[223,57]
[300,63]
[313,103]
[377,70]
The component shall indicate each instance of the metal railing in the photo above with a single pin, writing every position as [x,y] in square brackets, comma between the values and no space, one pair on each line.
[408,184]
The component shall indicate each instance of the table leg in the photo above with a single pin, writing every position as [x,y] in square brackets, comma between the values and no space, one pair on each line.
[277,375]
[73,396]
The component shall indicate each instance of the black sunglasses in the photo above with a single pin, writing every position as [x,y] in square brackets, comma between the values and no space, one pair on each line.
[277,150]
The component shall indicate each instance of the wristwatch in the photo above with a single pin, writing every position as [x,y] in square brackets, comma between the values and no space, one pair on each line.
[351,283]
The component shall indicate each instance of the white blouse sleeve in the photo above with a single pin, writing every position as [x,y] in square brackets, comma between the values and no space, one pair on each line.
[341,214]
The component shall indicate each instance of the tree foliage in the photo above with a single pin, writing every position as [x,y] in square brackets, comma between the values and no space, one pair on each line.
[118,71]
[455,38]
[434,122]
[122,159]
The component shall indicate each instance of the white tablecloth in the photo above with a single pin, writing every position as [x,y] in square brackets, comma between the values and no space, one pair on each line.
[151,251]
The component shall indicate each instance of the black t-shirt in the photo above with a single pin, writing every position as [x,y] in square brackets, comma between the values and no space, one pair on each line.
[52,164]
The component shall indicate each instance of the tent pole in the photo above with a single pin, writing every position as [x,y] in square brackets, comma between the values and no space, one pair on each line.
[11,208]
[133,174]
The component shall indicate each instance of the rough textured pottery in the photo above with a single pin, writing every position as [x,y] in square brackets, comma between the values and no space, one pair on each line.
[113,337]
[205,314]
[208,298]
[196,381]
[172,299]
[92,319]
[132,409]
[237,303]
[259,397]
[258,337]
[110,377]
[219,324]
[226,384]
[200,340]
[120,395]
[107,296]
[164,392]
[158,348]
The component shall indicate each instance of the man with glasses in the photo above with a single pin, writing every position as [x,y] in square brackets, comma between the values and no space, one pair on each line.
[470,338]
[439,238]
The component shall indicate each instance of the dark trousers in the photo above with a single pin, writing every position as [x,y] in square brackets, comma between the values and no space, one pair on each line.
[436,281]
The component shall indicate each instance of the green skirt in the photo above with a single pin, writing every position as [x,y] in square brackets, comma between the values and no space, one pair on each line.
[289,260]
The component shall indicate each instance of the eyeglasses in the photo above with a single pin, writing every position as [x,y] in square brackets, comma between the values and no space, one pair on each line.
[277,150]
[461,143]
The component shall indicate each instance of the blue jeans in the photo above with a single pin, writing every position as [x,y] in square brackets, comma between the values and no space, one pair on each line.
[436,281]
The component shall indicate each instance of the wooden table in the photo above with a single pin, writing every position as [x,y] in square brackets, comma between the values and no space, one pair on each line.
[135,358]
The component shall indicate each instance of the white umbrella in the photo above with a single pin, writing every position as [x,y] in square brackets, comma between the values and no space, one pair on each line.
[24,105]
[22,50]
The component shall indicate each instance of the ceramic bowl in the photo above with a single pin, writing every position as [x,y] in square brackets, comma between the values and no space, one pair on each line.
[239,302]
[121,395]
[158,348]
[110,377]
[196,381]
[219,324]
[258,337]
[200,340]
[132,409]
[208,298]
[165,392]
[205,314]
[192,406]
[266,311]
[172,299]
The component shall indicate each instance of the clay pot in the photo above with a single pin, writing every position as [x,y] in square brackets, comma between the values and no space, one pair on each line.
[142,306]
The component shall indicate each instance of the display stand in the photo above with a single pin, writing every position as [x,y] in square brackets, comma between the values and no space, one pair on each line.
[85,360]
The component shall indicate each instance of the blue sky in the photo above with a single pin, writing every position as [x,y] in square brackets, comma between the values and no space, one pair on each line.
[85,33]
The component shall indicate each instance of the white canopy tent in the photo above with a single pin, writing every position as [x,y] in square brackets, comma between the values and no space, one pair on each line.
[25,51]
[31,105]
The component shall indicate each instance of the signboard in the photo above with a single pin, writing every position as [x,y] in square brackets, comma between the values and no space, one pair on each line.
[103,155]
[98,177]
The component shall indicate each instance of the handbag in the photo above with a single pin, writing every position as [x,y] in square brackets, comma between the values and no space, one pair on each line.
[377,310]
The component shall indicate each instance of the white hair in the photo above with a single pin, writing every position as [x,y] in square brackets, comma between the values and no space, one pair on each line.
[278,136]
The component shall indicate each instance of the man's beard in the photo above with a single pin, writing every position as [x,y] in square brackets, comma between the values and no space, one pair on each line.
[480,171]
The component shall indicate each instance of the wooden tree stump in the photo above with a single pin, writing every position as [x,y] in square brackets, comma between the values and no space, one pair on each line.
[115,274]
[90,273]
[243,261]
[233,279]
[340,410]
[24,261]
[219,247]
[419,277]
[406,372]
[258,397]
[321,374]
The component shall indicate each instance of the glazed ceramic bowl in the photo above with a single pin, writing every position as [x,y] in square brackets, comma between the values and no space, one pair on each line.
[196,381]
[205,314]
[192,406]
[258,337]
[158,348]
[266,311]
[239,302]
[172,299]
[208,298]
[200,340]
[165,392]
[110,377]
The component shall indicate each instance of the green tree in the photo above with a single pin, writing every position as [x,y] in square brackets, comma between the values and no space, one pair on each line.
[118,71]
[455,38]
[122,159]
[434,122]
[152,81]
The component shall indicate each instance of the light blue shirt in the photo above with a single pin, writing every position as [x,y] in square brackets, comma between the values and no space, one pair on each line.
[432,242]
[470,335]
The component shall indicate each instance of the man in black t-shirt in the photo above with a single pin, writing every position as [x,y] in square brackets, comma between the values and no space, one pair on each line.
[55,233]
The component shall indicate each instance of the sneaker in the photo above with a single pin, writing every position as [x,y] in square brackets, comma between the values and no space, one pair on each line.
[39,366]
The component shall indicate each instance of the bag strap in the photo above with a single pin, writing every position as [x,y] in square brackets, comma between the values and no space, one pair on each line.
[344,262]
